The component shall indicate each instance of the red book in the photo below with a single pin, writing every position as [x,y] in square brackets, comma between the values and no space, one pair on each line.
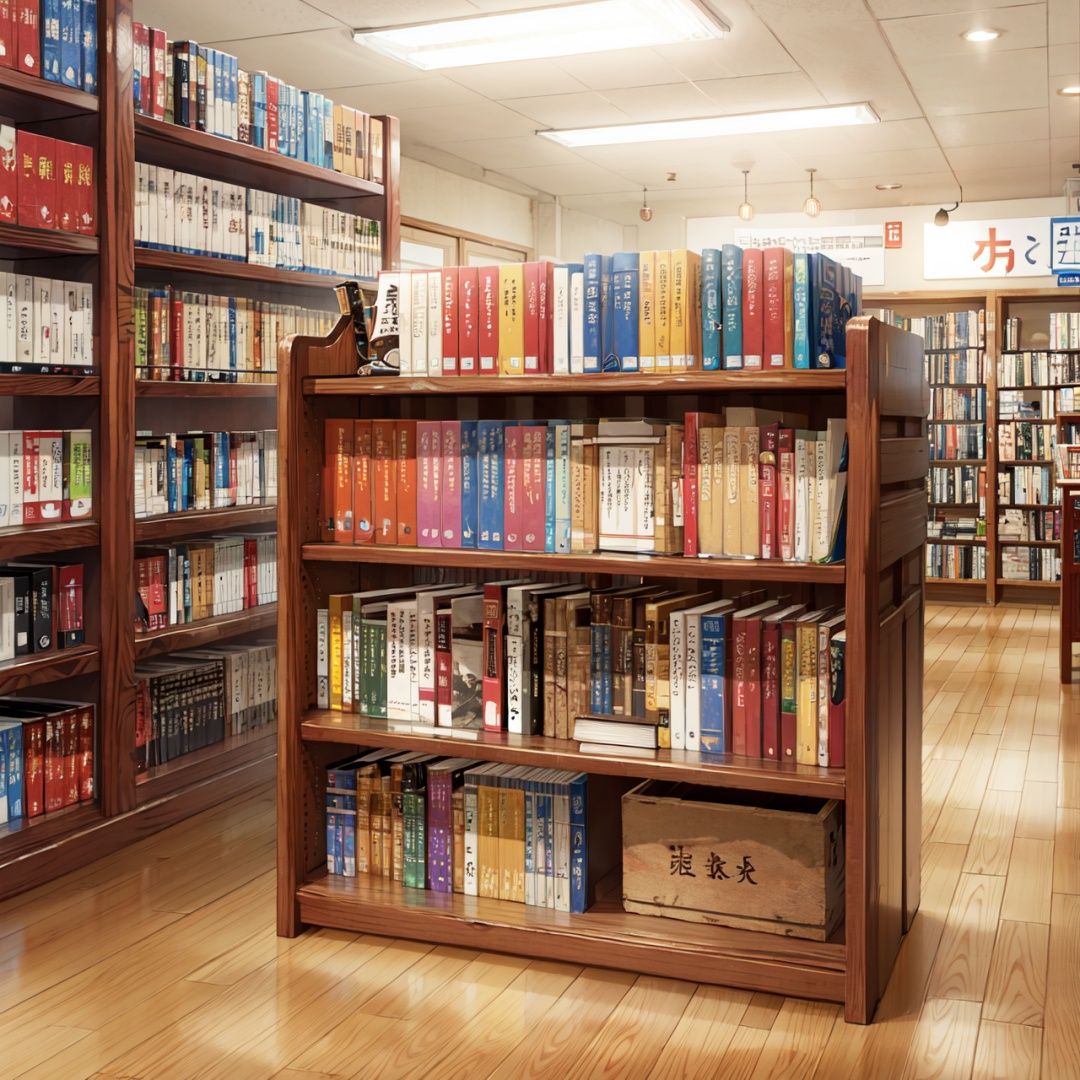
[786,507]
[774,346]
[690,485]
[386,515]
[86,753]
[54,763]
[443,668]
[251,572]
[429,483]
[837,699]
[71,757]
[37,180]
[33,767]
[68,196]
[532,318]
[752,732]
[271,115]
[488,320]
[176,337]
[512,522]
[159,79]
[738,685]
[450,485]
[8,43]
[140,39]
[31,478]
[753,315]
[547,296]
[468,325]
[9,175]
[770,687]
[339,455]
[768,476]
[405,434]
[449,320]
[532,473]
[28,36]
[69,606]
[788,687]
[363,519]
[494,660]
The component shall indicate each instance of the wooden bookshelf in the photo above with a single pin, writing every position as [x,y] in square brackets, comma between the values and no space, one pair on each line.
[47,539]
[234,751]
[22,242]
[196,522]
[30,99]
[881,584]
[40,669]
[195,635]
[151,388]
[49,385]
[206,266]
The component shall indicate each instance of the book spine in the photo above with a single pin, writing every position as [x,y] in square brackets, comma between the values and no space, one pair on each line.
[691,485]
[713,702]
[753,313]
[468,320]
[450,495]
[626,300]
[491,504]
[837,706]
[27,36]
[531,313]
[711,309]
[801,311]
[592,314]
[767,491]
[731,267]
[450,320]
[386,488]
[511,319]
[775,315]
[579,854]
[429,470]
[488,320]
[513,464]
[532,485]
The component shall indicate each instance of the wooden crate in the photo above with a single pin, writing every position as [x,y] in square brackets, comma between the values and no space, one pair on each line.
[731,858]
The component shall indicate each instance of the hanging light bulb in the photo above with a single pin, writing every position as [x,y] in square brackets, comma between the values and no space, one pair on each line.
[746,211]
[645,213]
[812,206]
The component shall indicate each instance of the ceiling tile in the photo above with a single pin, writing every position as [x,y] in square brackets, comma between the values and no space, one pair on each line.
[1063,20]
[1065,150]
[568,110]
[447,124]
[1022,27]
[993,156]
[393,98]
[620,68]
[208,20]
[756,93]
[1064,114]
[1065,60]
[1016,182]
[372,13]
[516,152]
[528,78]
[579,178]
[899,9]
[670,102]
[912,134]
[975,129]
[977,84]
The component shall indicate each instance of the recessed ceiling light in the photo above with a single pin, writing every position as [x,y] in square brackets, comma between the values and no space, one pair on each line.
[1069,91]
[705,127]
[888,187]
[981,35]
[563,30]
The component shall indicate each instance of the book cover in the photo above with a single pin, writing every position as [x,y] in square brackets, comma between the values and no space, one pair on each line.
[450,499]
[386,519]
[494,658]
[715,730]
[362,504]
[512,451]
[592,314]
[577,319]
[711,310]
[67,187]
[512,319]
[531,272]
[731,287]
[27,35]
[837,697]
[405,496]
[626,285]
[806,689]
[608,359]
[776,315]
[36,180]
[468,320]
[647,311]
[559,325]
[450,320]
[487,327]
[768,485]
[470,484]
[547,300]
[432,318]
[429,482]
[825,631]
[532,486]
[467,649]
[50,39]
[753,308]
[490,467]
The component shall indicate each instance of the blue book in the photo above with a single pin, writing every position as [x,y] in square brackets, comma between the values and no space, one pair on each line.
[296,133]
[593,313]
[233,358]
[608,360]
[489,435]
[234,97]
[825,314]
[711,309]
[71,43]
[258,109]
[331,841]
[88,61]
[562,486]
[626,298]
[306,113]
[172,492]
[187,472]
[713,705]
[596,669]
[801,313]
[50,40]
[470,485]
[221,460]
[549,489]
[219,91]
[731,300]
[328,132]
[5,814]
[15,776]
[579,851]
[184,560]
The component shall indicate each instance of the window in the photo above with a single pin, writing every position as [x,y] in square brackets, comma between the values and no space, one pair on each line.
[424,245]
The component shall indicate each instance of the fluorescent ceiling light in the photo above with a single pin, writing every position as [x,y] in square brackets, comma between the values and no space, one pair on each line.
[709,127]
[888,187]
[565,30]
[982,35]
[1069,91]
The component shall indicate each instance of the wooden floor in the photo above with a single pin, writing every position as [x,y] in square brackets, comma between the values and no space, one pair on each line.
[162,961]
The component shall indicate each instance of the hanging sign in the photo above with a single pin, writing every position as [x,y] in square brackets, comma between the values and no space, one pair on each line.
[861,248]
[1065,245]
[996,248]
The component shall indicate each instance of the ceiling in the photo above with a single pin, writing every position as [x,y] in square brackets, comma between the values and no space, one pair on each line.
[990,113]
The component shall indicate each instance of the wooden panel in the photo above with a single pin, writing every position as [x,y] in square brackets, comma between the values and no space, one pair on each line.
[204,764]
[723,770]
[47,539]
[172,526]
[18,241]
[195,635]
[912,758]
[208,266]
[902,387]
[38,669]
[178,389]
[49,385]
[391,221]
[31,98]
[904,459]
[903,525]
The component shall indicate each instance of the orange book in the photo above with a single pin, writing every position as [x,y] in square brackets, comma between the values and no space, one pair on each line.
[386,518]
[363,518]
[406,482]
[340,444]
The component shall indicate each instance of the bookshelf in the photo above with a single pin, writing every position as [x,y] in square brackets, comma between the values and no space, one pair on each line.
[881,586]
[111,402]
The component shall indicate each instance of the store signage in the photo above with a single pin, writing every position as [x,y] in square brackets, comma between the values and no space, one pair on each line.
[1065,244]
[860,247]
[996,248]
[1068,280]
[894,234]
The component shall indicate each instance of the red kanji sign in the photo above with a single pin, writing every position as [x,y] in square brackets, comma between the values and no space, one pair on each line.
[894,234]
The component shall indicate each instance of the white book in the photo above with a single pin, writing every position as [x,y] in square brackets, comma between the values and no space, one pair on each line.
[577,322]
[802,496]
[821,502]
[406,294]
[517,689]
[51,476]
[677,681]
[5,479]
[10,284]
[643,477]
[560,320]
[691,722]
[398,692]
[58,346]
[472,882]
[24,353]
[7,620]
[42,321]
[434,322]
[348,677]
[419,324]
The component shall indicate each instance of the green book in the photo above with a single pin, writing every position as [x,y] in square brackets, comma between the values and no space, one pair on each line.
[78,474]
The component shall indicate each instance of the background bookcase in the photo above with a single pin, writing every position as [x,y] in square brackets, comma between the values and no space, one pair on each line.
[115,405]
[881,585]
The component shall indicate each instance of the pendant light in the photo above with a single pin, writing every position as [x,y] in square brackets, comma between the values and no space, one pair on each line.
[645,213]
[812,206]
[746,211]
[941,218]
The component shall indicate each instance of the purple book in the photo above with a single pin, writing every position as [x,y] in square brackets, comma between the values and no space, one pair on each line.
[450,489]
[429,482]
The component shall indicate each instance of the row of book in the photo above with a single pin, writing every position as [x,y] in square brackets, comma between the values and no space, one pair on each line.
[178,211]
[730,309]
[204,470]
[964,367]
[958,484]
[952,403]
[1024,441]
[200,337]
[956,528]
[1068,399]
[956,562]
[46,325]
[47,756]
[45,476]
[1029,525]
[1066,458]
[949,330]
[739,484]
[200,697]
[957,442]
[184,83]
[200,579]
[1038,369]
[636,668]
[41,607]
[1027,404]
[1064,331]
[1027,484]
[1030,564]
[55,39]
[454,825]
[47,183]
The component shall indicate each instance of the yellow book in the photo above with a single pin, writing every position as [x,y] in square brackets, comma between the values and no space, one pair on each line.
[339,139]
[710,507]
[789,309]
[806,721]
[647,312]
[663,310]
[512,319]
[487,840]
[348,138]
[506,841]
[679,311]
[338,603]
[731,492]
[693,316]
[516,844]
[749,513]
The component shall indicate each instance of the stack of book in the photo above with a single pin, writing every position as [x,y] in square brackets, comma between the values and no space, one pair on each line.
[41,607]
[961,485]
[1036,369]
[742,483]
[57,41]
[637,668]
[530,836]
[1064,331]
[1025,441]
[1030,564]
[954,562]
[951,330]
[47,183]
[649,311]
[197,698]
[184,583]
[46,325]
[178,211]
[182,82]
[1027,484]
[46,756]
[205,470]
[1027,404]
[199,337]
[45,476]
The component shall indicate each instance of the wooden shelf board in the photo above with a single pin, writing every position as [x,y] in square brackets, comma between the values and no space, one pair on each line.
[1025,461]
[1029,584]
[177,389]
[957,462]
[26,834]
[966,423]
[1029,543]
[652,566]
[956,581]
[605,935]
[45,539]
[178,263]
[17,240]
[948,541]
[725,770]
[1028,506]
[30,98]
[696,382]
[191,523]
[48,667]
[954,506]
[1023,420]
[947,351]
[30,385]
[160,143]
[205,632]
[210,761]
